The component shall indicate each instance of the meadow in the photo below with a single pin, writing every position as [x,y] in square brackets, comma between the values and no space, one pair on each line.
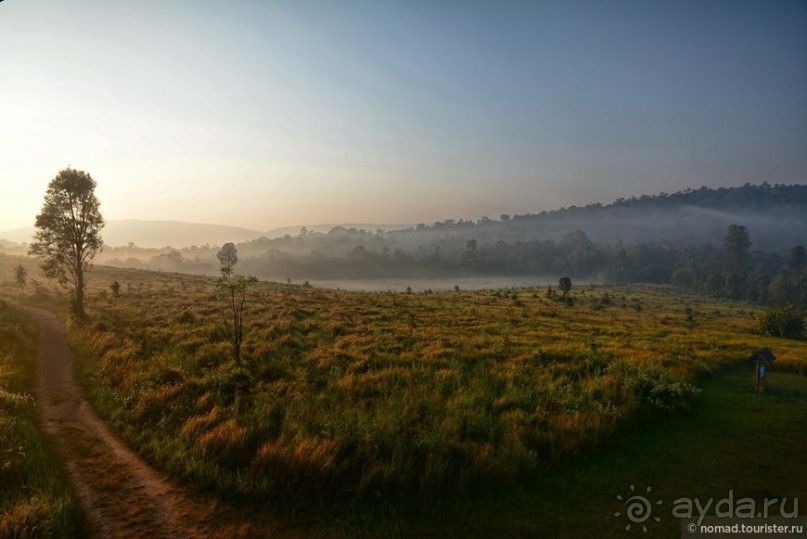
[411,403]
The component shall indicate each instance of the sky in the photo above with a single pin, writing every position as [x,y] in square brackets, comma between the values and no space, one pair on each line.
[264,114]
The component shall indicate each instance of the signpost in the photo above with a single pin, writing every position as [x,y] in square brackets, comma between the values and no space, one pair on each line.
[761,359]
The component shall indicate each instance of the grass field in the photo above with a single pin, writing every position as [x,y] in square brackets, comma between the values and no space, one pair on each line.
[34,498]
[393,414]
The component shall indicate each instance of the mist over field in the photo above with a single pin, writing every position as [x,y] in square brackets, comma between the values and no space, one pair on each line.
[433,285]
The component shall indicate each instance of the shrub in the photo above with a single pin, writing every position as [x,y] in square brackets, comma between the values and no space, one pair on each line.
[785,321]
[655,386]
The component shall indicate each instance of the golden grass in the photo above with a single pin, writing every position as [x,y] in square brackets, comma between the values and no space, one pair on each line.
[366,395]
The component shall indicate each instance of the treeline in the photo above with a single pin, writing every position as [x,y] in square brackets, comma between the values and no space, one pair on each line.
[681,238]
[731,269]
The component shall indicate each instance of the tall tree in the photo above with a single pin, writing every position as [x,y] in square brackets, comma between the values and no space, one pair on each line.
[68,232]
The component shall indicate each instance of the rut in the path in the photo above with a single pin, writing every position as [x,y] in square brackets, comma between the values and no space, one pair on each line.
[122,496]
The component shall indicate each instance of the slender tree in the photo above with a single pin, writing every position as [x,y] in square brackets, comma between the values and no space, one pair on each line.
[68,232]
[565,285]
[234,292]
[21,277]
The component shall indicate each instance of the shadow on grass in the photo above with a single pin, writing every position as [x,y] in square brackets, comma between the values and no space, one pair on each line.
[731,439]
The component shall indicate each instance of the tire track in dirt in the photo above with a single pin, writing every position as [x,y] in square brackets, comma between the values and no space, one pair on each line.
[122,496]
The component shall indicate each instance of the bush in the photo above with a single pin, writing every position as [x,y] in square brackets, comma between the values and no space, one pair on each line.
[654,386]
[785,321]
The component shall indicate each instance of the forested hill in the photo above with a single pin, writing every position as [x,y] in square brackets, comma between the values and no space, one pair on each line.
[776,214]
[678,238]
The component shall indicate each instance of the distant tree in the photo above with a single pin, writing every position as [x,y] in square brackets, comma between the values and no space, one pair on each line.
[170,261]
[737,243]
[788,287]
[21,277]
[68,232]
[228,258]
[115,288]
[565,285]
[470,250]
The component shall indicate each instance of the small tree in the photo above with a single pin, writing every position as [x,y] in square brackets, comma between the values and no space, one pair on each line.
[21,277]
[68,232]
[234,292]
[228,258]
[565,285]
[115,288]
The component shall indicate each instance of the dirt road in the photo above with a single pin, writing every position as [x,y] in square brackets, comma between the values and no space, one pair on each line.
[122,496]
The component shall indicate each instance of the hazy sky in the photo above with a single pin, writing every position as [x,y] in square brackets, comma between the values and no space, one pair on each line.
[270,113]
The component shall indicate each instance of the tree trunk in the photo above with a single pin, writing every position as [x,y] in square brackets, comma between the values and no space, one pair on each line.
[80,314]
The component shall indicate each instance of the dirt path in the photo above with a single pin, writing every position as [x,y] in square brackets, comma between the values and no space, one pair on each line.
[122,496]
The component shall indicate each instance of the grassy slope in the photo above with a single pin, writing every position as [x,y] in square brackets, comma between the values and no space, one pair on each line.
[34,498]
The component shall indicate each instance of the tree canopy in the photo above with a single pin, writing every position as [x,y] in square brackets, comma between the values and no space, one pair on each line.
[68,231]
[228,257]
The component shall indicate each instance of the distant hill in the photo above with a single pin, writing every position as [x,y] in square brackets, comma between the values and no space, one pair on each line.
[16,235]
[155,233]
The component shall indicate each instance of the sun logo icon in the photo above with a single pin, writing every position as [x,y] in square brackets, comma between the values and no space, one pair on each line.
[638,508]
